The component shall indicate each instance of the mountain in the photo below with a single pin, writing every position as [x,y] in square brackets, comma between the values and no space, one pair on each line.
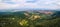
[25,9]
[44,18]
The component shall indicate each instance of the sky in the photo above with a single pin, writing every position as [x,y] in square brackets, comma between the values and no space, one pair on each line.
[18,4]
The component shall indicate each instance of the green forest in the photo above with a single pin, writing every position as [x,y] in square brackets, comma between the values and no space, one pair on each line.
[30,19]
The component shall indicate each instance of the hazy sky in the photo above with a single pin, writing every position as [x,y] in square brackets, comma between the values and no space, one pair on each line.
[17,4]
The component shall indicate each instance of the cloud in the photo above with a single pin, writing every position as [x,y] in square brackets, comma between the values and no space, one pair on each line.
[17,4]
[7,6]
[31,1]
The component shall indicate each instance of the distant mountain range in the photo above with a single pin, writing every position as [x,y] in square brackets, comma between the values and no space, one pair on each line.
[14,10]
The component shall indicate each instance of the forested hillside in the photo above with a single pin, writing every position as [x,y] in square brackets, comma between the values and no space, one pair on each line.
[30,19]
